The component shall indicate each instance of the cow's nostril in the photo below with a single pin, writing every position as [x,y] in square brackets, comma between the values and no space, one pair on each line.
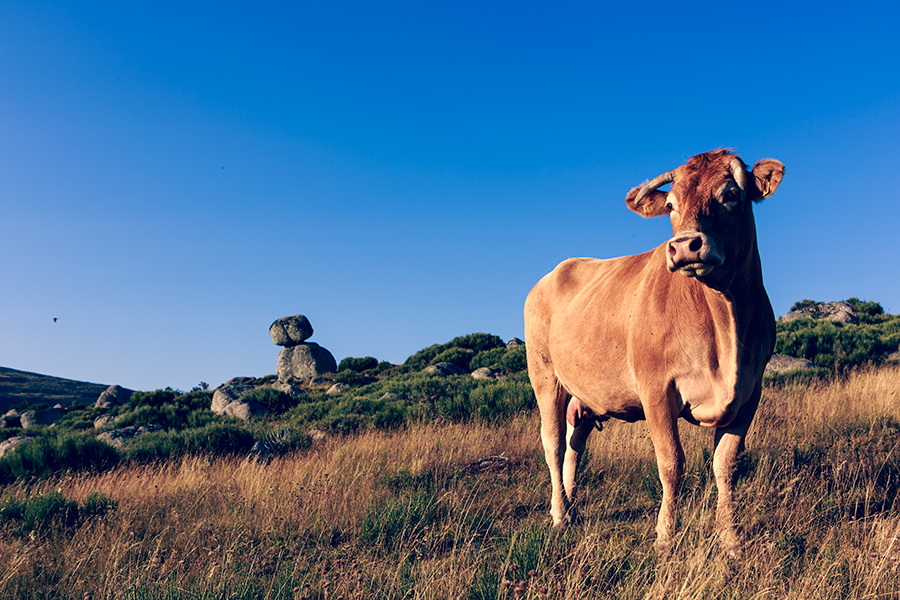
[696,245]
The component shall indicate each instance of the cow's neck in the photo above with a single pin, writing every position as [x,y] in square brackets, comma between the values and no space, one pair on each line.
[734,304]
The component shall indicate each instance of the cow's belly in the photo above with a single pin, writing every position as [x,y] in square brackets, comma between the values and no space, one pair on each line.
[609,394]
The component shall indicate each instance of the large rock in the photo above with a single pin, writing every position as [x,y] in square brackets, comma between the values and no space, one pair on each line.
[514,342]
[229,392]
[299,364]
[781,363]
[114,395]
[290,331]
[228,399]
[12,418]
[7,446]
[48,416]
[830,311]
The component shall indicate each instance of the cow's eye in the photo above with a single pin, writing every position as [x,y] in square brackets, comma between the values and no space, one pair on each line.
[669,206]
[731,199]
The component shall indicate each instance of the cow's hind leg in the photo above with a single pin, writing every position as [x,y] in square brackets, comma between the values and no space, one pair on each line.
[729,443]
[580,421]
[551,400]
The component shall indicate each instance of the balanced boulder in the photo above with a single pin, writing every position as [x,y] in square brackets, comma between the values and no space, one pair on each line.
[290,331]
[299,363]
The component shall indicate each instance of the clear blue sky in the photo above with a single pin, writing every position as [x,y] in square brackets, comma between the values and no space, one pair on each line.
[176,176]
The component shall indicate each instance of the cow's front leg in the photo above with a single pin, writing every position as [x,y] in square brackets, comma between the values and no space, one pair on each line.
[662,420]
[729,443]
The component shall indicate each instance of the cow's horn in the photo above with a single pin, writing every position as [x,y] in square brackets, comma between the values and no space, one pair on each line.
[654,183]
[739,173]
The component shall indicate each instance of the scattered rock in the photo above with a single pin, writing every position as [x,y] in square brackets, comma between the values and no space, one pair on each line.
[388,396]
[114,395]
[490,463]
[119,437]
[290,390]
[48,416]
[244,410]
[337,388]
[486,373]
[514,342]
[300,363]
[228,399]
[317,435]
[263,451]
[781,363]
[104,420]
[445,368]
[7,446]
[290,331]
[230,391]
[12,418]
[830,311]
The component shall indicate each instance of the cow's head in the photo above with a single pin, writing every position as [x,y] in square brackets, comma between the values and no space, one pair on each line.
[709,204]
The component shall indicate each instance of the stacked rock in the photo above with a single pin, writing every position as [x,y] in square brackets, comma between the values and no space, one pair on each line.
[299,360]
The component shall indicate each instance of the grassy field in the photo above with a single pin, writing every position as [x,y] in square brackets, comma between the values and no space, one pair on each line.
[417,513]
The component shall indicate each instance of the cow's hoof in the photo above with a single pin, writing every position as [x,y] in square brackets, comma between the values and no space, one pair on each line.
[663,548]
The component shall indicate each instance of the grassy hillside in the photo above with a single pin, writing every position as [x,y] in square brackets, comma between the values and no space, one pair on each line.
[416,512]
[24,388]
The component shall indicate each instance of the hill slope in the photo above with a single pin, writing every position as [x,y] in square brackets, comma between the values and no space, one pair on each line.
[22,386]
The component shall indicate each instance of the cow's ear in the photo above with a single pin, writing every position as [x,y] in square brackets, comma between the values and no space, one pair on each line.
[767,174]
[651,205]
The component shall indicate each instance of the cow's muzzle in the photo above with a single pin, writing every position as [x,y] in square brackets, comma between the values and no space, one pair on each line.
[692,253]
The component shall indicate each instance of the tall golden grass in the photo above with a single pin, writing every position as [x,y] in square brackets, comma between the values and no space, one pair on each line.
[412,514]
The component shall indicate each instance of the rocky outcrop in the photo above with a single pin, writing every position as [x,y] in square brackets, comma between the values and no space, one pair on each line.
[302,362]
[119,437]
[445,368]
[12,418]
[47,416]
[514,342]
[486,373]
[104,420]
[112,396]
[290,331]
[781,363]
[228,399]
[7,446]
[825,311]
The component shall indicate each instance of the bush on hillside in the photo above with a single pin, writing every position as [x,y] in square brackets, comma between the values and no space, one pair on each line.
[837,346]
[476,342]
[275,401]
[57,452]
[358,365]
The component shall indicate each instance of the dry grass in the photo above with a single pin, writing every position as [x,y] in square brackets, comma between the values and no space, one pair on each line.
[404,515]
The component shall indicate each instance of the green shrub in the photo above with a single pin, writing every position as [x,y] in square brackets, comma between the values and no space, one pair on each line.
[50,511]
[54,453]
[461,357]
[802,304]
[275,401]
[358,364]
[218,439]
[476,342]
[836,346]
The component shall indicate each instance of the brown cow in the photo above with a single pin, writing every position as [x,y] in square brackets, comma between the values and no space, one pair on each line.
[683,330]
